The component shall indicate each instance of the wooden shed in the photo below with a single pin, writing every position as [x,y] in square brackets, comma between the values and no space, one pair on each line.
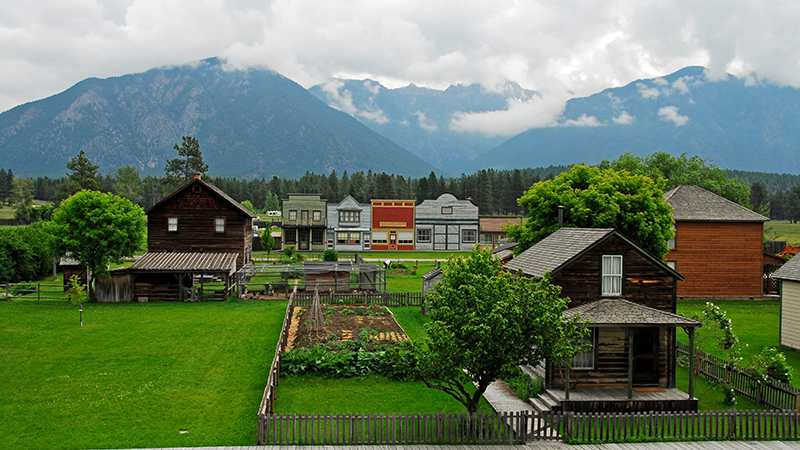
[629,298]
[200,218]
[170,277]
[718,245]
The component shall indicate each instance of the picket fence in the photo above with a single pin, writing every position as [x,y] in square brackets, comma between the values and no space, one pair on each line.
[525,427]
[774,394]
[362,298]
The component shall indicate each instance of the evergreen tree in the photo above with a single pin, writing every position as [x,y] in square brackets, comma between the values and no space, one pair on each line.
[83,177]
[433,186]
[128,184]
[181,170]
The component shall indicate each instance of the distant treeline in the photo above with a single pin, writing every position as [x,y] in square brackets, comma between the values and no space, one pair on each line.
[494,192]
[772,181]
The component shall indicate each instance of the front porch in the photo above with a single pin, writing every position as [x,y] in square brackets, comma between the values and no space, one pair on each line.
[616,400]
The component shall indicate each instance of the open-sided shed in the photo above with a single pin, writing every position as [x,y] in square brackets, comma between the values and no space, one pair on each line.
[338,276]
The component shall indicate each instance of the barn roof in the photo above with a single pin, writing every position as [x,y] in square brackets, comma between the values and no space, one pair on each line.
[695,203]
[567,244]
[616,312]
[185,262]
[236,205]
[495,224]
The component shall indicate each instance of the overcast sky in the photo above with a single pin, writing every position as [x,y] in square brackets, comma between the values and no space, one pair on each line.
[560,48]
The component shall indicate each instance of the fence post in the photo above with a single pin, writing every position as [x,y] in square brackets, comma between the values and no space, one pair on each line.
[758,393]
[38,292]
[731,424]
[797,401]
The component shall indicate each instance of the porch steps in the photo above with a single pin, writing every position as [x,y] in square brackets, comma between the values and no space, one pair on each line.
[545,403]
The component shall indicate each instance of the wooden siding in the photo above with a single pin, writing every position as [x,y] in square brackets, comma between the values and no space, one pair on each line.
[719,259]
[645,283]
[196,209]
[392,216]
[790,314]
[611,363]
[305,228]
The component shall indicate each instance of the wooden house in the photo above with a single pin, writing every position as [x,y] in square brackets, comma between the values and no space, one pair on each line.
[200,218]
[446,223]
[789,326]
[493,230]
[392,224]
[718,245]
[349,225]
[304,222]
[628,297]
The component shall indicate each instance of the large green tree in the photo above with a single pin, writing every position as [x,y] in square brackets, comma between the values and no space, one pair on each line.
[97,228]
[684,170]
[598,198]
[485,322]
[180,170]
[128,184]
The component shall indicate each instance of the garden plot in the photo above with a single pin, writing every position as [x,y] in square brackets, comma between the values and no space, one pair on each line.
[344,323]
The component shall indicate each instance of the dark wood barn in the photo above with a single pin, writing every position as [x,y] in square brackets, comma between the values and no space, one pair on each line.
[628,297]
[200,218]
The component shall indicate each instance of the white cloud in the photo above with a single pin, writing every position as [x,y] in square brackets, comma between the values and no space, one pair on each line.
[425,123]
[518,117]
[583,121]
[342,99]
[670,114]
[661,81]
[648,92]
[624,119]
[680,85]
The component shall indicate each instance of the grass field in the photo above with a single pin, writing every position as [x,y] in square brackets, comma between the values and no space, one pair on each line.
[783,230]
[135,375]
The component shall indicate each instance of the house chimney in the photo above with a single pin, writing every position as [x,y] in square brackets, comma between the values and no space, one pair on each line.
[197,176]
[560,216]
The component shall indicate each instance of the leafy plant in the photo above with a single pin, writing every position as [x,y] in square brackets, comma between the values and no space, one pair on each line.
[76,291]
[525,386]
[289,251]
[330,255]
[23,289]
[771,365]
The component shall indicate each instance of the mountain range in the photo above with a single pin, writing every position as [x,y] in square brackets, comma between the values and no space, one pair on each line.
[256,122]
[248,122]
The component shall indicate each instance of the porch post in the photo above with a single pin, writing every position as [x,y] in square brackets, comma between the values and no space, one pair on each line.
[691,362]
[630,333]
[566,379]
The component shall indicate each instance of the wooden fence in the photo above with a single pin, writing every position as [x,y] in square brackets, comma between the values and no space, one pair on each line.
[268,400]
[363,298]
[34,291]
[681,426]
[494,428]
[774,394]
[425,428]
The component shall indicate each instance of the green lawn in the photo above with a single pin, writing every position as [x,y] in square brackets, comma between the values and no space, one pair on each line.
[135,375]
[412,321]
[783,230]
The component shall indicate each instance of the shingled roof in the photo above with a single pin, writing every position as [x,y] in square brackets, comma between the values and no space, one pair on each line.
[567,244]
[789,271]
[184,262]
[615,312]
[211,188]
[695,203]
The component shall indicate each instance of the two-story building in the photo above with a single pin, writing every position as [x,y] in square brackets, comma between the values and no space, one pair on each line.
[446,223]
[392,224]
[304,221]
[349,225]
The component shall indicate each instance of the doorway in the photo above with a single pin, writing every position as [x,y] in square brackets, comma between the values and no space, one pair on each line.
[645,357]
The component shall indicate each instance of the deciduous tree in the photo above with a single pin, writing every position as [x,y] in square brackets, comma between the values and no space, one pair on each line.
[486,321]
[97,228]
[598,198]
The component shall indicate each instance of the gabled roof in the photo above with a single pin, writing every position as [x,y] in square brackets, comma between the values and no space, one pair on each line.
[565,245]
[789,271]
[433,273]
[495,224]
[695,203]
[615,312]
[211,188]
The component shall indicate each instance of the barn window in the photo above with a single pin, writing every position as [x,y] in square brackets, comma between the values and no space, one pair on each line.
[172,224]
[585,360]
[423,235]
[612,275]
[219,224]
[469,236]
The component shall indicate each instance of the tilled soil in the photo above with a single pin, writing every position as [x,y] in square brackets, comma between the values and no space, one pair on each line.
[344,326]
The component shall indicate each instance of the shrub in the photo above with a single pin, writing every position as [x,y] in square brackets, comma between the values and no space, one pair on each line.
[289,251]
[526,386]
[76,291]
[23,289]
[330,255]
[771,365]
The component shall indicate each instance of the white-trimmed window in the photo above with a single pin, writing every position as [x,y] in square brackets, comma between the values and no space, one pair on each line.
[405,237]
[379,237]
[447,210]
[585,360]
[487,239]
[219,224]
[317,215]
[293,214]
[423,235]
[612,275]
[350,216]
[172,224]
[469,236]
[671,242]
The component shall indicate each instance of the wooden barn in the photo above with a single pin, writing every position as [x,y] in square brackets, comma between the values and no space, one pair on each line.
[718,245]
[628,297]
[789,276]
[200,218]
